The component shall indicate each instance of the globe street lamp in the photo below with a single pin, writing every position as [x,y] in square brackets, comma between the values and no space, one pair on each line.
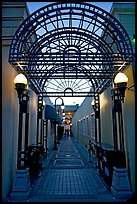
[21,185]
[118,94]
[21,83]
[120,172]
[96,107]
[21,86]
[120,84]
[62,107]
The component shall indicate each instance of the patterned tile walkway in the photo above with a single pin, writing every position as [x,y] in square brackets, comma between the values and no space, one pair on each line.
[67,177]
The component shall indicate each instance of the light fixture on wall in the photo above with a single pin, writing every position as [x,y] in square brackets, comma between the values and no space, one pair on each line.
[21,84]
[120,84]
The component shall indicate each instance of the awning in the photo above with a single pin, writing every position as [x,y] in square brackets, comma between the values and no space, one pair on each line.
[50,113]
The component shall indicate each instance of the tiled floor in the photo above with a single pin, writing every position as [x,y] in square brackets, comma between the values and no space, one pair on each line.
[68,177]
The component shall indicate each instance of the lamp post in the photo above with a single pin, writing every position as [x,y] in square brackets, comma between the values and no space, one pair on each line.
[62,107]
[21,188]
[118,94]
[21,86]
[41,104]
[96,107]
[120,182]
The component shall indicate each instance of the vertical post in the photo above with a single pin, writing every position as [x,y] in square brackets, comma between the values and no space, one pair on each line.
[117,109]
[26,130]
[37,137]
[55,143]
[58,129]
[121,133]
[97,119]
[41,131]
[114,129]
[39,120]
[120,182]
[46,136]
[99,123]
[21,186]
[95,129]
[23,109]
[19,137]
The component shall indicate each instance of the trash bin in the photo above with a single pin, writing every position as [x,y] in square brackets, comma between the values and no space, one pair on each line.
[107,159]
[33,160]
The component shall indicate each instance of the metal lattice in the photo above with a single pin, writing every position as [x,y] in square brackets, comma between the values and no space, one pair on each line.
[61,44]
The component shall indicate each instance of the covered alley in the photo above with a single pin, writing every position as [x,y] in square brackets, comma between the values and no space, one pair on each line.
[50,57]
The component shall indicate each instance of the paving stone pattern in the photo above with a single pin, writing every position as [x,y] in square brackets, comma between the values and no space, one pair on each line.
[68,177]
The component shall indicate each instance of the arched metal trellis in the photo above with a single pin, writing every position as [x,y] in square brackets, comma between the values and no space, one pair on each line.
[70,46]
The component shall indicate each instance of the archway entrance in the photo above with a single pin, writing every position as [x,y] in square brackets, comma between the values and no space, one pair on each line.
[70,46]
[69,49]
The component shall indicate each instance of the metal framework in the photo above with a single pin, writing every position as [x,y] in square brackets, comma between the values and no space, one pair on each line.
[70,49]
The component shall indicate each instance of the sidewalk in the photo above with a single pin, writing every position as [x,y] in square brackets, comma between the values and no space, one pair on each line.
[69,177]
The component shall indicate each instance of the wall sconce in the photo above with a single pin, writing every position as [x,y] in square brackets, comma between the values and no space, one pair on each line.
[21,84]
[120,84]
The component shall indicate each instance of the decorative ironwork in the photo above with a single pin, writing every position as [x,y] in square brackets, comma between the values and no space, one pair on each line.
[70,41]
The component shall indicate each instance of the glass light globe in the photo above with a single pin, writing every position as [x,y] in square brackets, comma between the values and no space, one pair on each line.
[20,79]
[62,106]
[120,78]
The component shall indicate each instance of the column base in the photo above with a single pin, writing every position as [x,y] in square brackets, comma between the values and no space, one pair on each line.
[120,184]
[21,188]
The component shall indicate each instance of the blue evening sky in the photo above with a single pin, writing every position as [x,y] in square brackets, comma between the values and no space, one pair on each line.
[33,6]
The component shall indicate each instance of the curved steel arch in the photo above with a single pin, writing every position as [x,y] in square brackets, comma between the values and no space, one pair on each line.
[100,45]
[102,48]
